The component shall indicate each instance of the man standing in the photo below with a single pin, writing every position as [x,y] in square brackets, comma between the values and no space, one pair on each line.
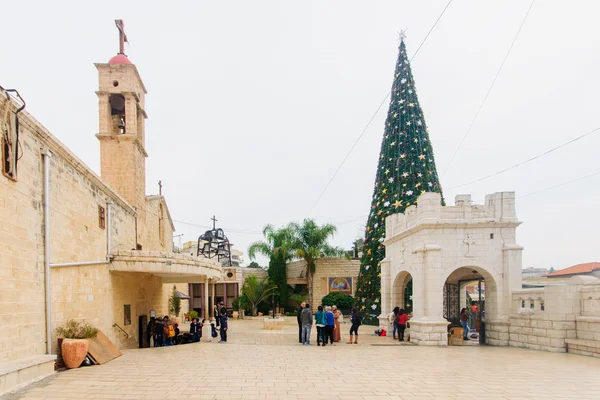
[307,319]
[223,324]
[298,313]
[217,314]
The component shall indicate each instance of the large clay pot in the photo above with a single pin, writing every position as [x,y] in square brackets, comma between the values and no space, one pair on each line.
[74,352]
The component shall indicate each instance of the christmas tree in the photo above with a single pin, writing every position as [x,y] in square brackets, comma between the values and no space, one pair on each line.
[406,169]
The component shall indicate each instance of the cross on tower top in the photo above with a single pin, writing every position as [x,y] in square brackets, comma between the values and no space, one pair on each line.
[214,220]
[122,36]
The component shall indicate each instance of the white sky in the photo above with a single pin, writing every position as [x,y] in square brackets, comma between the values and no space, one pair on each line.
[253,104]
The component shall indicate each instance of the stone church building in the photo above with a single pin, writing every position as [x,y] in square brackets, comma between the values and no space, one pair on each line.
[75,245]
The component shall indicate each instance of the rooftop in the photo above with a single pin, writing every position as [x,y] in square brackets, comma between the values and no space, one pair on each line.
[576,270]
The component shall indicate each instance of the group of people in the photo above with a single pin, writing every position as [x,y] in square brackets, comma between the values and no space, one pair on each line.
[399,319]
[328,320]
[165,332]
[162,331]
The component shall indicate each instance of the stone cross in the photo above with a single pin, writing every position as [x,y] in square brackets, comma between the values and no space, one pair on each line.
[122,36]
[468,241]
[402,249]
[160,188]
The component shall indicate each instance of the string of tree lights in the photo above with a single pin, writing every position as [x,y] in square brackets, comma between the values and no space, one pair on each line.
[406,169]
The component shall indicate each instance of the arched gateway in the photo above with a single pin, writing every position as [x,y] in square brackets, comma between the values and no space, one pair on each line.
[440,248]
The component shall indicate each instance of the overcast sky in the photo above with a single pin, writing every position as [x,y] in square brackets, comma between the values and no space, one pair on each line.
[253,104]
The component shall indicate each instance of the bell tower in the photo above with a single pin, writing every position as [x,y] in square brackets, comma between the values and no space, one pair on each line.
[121,97]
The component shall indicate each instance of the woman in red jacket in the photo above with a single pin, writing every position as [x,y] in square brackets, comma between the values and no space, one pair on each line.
[402,320]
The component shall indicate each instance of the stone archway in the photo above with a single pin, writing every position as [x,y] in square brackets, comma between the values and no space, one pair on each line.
[462,275]
[399,298]
[454,300]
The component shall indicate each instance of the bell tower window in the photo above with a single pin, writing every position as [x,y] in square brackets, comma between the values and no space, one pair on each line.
[117,113]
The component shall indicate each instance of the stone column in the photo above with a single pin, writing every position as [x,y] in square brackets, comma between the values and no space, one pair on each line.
[206,305]
[498,302]
[214,293]
[428,327]
[386,294]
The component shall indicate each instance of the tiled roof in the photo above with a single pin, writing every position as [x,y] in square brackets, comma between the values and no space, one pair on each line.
[576,269]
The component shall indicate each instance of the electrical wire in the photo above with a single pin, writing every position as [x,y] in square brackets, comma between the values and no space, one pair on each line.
[559,185]
[526,161]
[375,114]
[489,90]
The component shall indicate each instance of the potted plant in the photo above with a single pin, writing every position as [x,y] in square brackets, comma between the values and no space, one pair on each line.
[75,346]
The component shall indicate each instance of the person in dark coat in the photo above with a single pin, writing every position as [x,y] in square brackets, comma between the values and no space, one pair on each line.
[216,314]
[158,333]
[298,313]
[150,330]
[195,330]
[224,327]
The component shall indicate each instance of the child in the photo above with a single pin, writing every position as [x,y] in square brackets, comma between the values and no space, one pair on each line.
[213,330]
[223,323]
[195,330]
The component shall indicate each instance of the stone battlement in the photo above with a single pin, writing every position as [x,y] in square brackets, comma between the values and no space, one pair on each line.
[499,208]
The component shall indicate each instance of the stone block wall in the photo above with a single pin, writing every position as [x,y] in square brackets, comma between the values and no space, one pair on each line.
[551,318]
[326,268]
[143,292]
[158,227]
[76,235]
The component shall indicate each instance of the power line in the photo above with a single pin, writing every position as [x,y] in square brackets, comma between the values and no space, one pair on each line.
[489,89]
[375,114]
[559,185]
[528,160]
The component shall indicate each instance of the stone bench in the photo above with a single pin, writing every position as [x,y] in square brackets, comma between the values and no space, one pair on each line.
[14,374]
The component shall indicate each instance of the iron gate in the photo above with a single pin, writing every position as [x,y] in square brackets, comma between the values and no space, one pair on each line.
[452,304]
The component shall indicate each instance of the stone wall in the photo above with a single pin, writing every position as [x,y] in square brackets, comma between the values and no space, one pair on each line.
[158,227]
[76,235]
[143,292]
[552,318]
[326,268]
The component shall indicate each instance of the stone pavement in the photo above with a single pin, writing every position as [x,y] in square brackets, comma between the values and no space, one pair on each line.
[259,364]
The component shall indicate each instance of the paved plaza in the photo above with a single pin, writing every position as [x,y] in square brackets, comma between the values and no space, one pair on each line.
[258,364]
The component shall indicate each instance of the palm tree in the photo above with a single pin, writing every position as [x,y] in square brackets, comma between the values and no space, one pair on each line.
[310,243]
[256,291]
[276,247]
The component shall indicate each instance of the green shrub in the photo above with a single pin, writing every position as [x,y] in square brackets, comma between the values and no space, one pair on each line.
[76,330]
[342,301]
[193,314]
[239,303]
[264,308]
